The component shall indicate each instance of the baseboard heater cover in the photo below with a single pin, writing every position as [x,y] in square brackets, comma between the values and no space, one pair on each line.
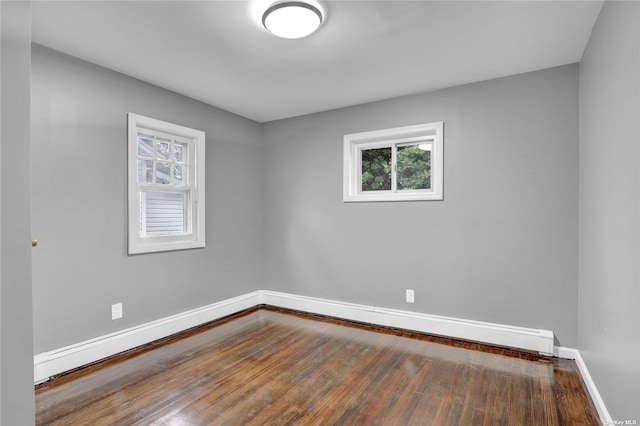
[58,361]
[70,357]
[530,339]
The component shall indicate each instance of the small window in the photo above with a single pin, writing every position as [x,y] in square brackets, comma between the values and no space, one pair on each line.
[399,164]
[166,186]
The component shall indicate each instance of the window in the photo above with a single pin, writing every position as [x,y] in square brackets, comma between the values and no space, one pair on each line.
[166,186]
[399,164]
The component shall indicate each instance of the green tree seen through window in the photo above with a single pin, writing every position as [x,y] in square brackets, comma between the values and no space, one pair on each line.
[376,169]
[413,168]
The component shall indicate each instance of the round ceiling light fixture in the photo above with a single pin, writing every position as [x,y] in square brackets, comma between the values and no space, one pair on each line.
[292,19]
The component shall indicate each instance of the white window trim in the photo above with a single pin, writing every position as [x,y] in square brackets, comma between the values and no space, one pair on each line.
[354,143]
[196,209]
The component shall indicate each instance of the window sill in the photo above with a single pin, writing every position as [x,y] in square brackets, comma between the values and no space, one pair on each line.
[155,247]
[367,198]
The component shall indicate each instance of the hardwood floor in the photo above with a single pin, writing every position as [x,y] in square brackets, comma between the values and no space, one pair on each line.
[273,367]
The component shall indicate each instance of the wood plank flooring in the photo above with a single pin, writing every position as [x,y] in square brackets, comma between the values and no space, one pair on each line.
[269,367]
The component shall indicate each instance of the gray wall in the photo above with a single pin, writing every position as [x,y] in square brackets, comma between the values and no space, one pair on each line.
[79,139]
[16,354]
[501,247]
[609,337]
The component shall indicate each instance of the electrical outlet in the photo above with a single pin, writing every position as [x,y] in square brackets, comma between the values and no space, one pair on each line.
[116,311]
[410,296]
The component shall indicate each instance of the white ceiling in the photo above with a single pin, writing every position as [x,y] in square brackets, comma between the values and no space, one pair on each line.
[218,52]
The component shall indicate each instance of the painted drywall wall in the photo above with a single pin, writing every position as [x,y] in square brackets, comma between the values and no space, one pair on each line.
[16,353]
[81,266]
[501,247]
[609,90]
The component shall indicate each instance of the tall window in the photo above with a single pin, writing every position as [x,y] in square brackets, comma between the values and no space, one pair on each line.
[399,164]
[166,186]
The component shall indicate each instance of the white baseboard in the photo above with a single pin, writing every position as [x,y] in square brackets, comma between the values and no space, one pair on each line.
[484,332]
[569,353]
[70,357]
[64,359]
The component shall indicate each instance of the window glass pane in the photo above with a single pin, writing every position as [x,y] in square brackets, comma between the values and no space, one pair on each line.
[163,150]
[163,173]
[145,147]
[162,213]
[376,169]
[414,166]
[178,152]
[178,174]
[145,171]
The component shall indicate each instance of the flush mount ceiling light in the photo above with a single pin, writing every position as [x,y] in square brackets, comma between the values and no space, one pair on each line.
[292,19]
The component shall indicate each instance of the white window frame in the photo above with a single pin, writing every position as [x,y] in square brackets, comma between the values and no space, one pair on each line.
[194,189]
[355,143]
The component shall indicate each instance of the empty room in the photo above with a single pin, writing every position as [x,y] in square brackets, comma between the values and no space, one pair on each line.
[320,212]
